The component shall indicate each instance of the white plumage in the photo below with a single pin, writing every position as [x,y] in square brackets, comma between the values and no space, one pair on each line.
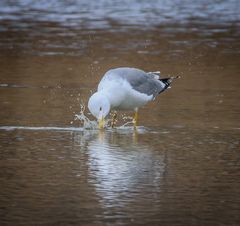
[125,89]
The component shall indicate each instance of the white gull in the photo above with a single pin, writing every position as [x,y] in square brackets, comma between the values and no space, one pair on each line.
[126,89]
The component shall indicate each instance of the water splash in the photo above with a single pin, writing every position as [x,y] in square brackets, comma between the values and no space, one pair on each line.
[128,120]
[86,123]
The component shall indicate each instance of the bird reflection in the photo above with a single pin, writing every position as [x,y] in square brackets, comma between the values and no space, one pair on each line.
[120,166]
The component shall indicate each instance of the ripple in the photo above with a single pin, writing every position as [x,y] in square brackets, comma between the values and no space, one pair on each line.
[39,128]
[134,13]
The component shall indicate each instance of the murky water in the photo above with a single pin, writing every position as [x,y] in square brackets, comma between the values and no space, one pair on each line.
[180,167]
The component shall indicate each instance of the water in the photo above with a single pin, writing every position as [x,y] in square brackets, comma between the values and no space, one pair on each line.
[181,165]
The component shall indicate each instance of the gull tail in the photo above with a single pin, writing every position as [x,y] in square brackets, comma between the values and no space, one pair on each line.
[167,82]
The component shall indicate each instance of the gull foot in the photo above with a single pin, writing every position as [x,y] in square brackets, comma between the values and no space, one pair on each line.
[113,119]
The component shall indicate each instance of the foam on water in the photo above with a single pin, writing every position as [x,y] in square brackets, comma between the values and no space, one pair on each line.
[119,129]
[38,128]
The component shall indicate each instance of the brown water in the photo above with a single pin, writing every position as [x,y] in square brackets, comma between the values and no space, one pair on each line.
[182,165]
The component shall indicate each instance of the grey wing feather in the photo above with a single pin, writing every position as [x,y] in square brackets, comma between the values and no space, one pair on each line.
[140,80]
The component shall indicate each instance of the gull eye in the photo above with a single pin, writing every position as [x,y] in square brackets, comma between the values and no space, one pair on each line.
[100,108]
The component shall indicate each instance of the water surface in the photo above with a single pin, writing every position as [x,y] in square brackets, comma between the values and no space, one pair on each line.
[180,167]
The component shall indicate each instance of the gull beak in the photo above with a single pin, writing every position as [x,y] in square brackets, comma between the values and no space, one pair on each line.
[101,123]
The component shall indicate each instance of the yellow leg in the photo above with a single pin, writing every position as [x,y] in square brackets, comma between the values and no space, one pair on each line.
[114,119]
[135,119]
[101,123]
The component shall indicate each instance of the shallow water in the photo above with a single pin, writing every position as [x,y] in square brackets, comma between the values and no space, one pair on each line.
[180,167]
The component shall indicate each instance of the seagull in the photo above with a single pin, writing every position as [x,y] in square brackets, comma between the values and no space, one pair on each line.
[126,88]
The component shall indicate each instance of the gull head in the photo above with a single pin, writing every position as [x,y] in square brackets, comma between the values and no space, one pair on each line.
[99,106]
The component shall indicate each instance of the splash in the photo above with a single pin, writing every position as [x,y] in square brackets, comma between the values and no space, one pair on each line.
[128,120]
[86,123]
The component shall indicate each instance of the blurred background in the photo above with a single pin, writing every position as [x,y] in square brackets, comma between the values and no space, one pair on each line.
[182,166]
[52,53]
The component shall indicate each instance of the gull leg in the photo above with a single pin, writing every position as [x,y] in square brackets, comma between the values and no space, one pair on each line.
[101,123]
[113,119]
[135,118]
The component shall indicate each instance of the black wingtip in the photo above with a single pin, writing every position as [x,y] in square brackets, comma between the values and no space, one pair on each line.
[168,81]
